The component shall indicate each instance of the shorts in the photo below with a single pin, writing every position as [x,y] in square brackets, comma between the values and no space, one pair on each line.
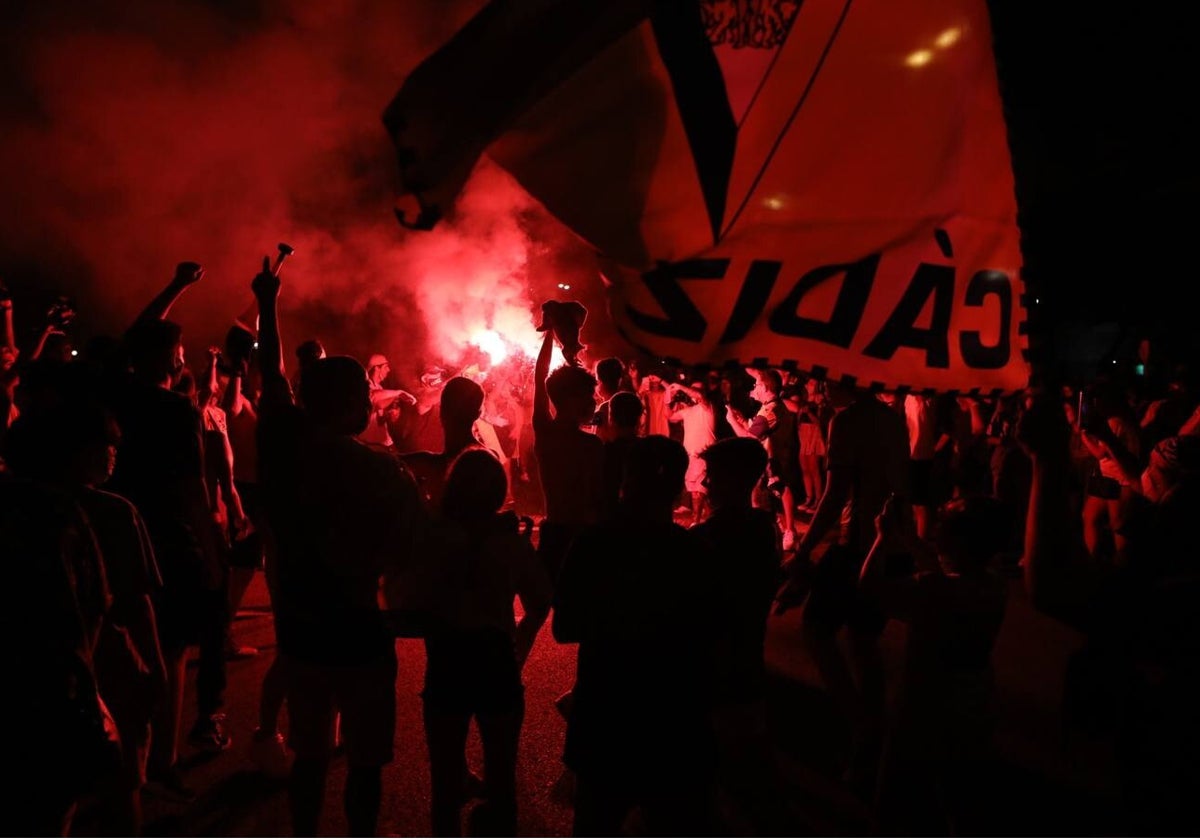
[693,480]
[783,473]
[365,695]
[811,442]
[834,599]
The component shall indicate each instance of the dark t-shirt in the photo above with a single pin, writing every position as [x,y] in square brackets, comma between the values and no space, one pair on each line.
[160,469]
[640,600]
[615,452]
[340,514]
[747,558]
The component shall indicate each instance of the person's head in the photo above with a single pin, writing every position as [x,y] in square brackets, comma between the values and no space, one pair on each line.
[475,487]
[767,385]
[610,371]
[733,466]
[155,350]
[970,532]
[335,394]
[70,443]
[309,351]
[625,413]
[572,391]
[653,476]
[378,368]
[460,405]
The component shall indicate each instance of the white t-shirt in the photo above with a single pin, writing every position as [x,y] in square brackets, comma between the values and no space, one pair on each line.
[922,427]
[698,428]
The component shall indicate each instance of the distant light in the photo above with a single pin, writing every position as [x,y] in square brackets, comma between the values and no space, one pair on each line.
[1139,369]
[949,38]
[256,345]
[566,287]
[74,352]
[919,58]
[774,202]
[1037,300]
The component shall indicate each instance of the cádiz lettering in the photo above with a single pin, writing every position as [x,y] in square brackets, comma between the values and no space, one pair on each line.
[685,321]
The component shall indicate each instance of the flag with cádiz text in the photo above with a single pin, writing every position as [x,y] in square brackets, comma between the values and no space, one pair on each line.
[817,184]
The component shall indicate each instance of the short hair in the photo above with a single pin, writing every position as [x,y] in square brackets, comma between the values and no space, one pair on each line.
[476,485]
[654,467]
[152,341]
[334,387]
[625,409]
[771,379]
[569,382]
[461,400]
[739,460]
[309,351]
[610,371]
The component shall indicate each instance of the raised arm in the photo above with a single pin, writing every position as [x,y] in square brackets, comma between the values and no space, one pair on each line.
[541,370]
[186,274]
[275,386]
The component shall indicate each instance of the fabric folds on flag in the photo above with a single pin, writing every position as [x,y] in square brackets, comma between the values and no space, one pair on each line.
[822,184]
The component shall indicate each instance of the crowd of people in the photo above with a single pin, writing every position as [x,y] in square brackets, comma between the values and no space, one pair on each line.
[656,516]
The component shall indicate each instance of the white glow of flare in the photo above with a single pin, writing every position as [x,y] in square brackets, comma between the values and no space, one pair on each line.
[490,342]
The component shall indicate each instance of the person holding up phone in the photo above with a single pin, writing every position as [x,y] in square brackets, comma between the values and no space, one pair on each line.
[1107,426]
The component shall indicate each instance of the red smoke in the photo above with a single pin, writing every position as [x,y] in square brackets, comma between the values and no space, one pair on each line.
[177,131]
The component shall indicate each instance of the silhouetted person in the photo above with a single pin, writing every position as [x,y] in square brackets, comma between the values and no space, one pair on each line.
[638,595]
[475,649]
[934,775]
[570,461]
[160,468]
[458,408]
[624,419]
[747,554]
[339,515]
[868,461]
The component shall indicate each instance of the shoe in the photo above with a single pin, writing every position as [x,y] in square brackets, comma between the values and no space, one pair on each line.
[210,734]
[270,755]
[789,540]
[168,785]
[233,651]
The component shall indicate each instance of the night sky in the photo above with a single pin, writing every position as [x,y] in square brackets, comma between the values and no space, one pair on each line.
[278,102]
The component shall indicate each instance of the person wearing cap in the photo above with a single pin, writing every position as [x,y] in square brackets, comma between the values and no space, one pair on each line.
[385,403]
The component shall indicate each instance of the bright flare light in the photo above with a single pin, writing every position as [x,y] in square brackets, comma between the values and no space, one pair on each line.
[490,342]
[919,58]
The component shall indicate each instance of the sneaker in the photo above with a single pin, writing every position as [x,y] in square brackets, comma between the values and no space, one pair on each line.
[210,734]
[168,785]
[789,540]
[270,755]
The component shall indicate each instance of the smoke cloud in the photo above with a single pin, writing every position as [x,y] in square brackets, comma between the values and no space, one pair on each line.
[137,137]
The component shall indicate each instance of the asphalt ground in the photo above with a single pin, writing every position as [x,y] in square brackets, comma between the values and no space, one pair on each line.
[1050,780]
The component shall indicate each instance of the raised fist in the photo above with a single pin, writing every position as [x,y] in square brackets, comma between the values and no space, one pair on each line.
[265,284]
[187,273]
